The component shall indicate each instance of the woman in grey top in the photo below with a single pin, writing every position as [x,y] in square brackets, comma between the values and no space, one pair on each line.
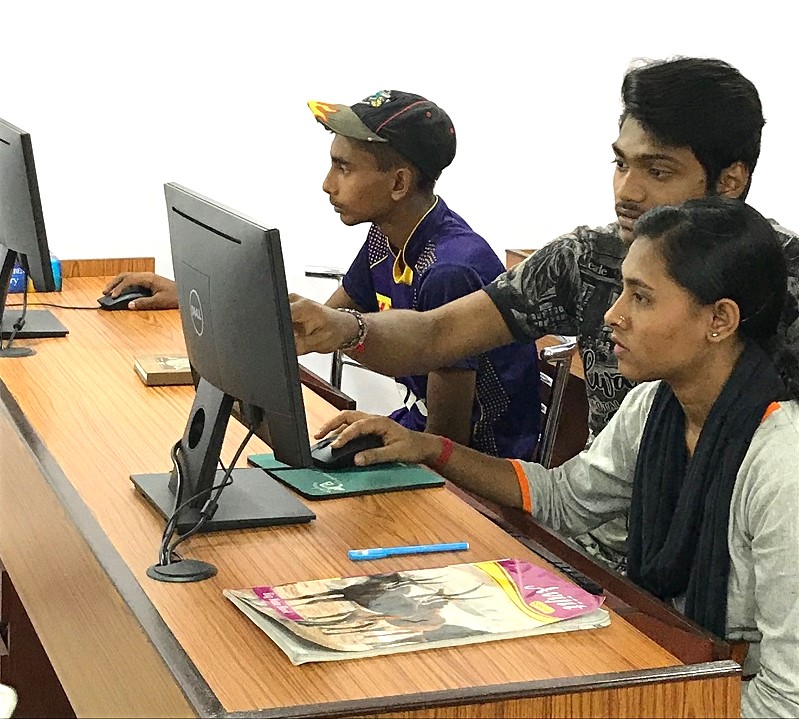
[702,454]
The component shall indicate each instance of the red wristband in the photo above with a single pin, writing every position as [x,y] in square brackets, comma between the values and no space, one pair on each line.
[446,452]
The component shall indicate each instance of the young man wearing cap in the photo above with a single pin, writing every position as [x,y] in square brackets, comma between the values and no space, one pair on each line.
[387,153]
[690,127]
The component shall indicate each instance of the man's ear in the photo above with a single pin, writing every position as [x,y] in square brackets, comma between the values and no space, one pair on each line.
[733,180]
[403,183]
[725,320]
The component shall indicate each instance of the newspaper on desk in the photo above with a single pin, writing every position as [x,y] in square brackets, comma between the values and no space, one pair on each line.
[347,618]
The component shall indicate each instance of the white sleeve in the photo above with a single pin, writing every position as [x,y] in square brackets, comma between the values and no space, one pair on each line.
[771,522]
[596,485]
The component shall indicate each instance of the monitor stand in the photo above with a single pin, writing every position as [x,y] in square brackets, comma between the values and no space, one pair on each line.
[39,324]
[253,499]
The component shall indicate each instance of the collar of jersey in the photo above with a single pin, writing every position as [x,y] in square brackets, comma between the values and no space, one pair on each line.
[402,271]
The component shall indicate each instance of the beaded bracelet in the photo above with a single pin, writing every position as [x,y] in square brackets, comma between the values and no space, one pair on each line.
[356,343]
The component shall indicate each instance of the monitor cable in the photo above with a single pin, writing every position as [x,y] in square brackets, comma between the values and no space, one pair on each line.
[8,350]
[55,304]
[171,567]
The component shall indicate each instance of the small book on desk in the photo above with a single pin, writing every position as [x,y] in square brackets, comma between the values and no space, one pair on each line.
[331,483]
[334,619]
[164,369]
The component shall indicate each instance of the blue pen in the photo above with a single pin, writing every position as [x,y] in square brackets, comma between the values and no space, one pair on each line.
[382,552]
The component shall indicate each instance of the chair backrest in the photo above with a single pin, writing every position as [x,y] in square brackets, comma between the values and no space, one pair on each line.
[555,366]
[325,273]
[325,390]
[338,360]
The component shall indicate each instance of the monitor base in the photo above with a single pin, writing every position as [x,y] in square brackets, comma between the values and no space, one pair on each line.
[253,500]
[39,324]
[182,570]
[17,352]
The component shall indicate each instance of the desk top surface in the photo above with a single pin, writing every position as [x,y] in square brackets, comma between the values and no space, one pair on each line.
[100,424]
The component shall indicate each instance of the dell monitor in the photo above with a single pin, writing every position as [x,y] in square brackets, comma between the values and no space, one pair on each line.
[22,236]
[234,309]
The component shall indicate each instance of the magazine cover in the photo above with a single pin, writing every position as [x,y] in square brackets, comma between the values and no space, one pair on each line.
[345,618]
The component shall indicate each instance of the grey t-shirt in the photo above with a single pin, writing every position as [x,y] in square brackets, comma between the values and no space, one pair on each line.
[763,535]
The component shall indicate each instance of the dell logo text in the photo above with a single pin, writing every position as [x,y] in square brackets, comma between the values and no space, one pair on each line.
[196,312]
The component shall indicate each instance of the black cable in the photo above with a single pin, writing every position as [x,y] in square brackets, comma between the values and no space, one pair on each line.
[163,556]
[170,524]
[53,304]
[172,521]
[209,508]
[167,554]
[167,551]
[20,323]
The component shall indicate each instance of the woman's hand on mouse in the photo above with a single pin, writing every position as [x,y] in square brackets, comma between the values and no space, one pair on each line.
[165,291]
[399,444]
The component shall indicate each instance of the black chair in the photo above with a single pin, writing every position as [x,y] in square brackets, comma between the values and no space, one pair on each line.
[555,366]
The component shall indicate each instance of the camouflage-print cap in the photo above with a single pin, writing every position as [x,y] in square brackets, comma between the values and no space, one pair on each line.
[415,127]
[343,121]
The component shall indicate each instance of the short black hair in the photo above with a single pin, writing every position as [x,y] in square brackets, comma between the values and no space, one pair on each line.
[387,158]
[700,103]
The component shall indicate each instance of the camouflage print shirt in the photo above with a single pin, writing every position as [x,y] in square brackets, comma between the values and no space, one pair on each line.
[567,286]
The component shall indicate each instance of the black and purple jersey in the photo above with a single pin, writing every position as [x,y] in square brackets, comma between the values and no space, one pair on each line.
[444,260]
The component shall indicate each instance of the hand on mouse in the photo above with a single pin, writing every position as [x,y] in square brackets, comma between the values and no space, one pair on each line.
[399,444]
[165,292]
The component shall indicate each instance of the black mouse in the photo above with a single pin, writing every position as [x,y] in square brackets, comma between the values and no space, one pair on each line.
[134,292]
[326,457]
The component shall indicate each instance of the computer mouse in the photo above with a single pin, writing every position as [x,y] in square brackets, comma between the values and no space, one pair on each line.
[134,292]
[327,457]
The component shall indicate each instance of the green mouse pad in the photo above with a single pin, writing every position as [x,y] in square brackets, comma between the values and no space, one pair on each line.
[320,484]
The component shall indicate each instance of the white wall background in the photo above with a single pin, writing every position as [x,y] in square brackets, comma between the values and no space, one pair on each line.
[121,97]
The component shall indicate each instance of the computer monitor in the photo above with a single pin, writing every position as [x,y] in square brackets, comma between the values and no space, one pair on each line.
[236,321]
[22,235]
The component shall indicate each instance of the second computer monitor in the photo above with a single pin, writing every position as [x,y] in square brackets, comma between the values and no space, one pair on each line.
[236,321]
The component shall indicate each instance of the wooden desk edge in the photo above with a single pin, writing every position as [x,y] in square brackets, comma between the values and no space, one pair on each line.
[504,693]
[191,683]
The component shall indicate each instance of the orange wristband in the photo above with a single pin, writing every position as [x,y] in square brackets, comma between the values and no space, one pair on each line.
[446,452]
[524,485]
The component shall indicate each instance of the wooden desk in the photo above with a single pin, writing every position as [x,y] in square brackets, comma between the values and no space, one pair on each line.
[75,539]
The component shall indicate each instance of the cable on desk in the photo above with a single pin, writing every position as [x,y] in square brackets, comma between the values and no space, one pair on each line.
[20,323]
[52,304]
[166,552]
